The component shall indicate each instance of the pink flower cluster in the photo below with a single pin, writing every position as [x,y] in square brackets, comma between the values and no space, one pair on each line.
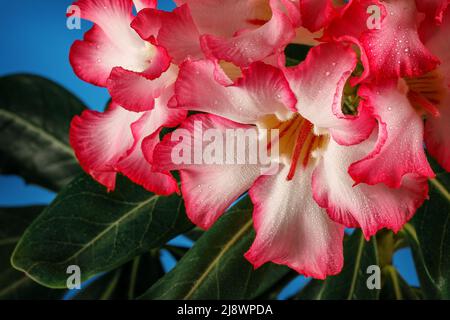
[353,117]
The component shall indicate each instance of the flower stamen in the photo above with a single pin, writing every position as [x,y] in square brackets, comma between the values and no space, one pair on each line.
[303,137]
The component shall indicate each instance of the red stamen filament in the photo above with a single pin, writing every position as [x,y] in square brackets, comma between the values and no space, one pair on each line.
[424,103]
[302,137]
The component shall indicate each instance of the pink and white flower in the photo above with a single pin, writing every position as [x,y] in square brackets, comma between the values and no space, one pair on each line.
[336,169]
[140,77]
[318,143]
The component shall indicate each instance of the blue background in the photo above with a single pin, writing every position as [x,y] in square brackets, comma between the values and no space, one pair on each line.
[35,39]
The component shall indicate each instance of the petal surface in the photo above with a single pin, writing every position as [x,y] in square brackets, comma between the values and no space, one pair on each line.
[318,84]
[175,31]
[291,229]
[437,135]
[111,42]
[368,207]
[399,149]
[101,140]
[252,45]
[263,90]
[146,135]
[208,189]
[393,48]
[136,92]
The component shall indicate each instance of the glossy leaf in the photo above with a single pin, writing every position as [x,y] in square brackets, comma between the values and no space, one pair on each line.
[215,267]
[14,284]
[96,230]
[127,282]
[351,283]
[429,236]
[35,116]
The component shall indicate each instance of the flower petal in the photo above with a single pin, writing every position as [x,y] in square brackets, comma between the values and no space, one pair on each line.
[434,9]
[136,92]
[175,31]
[143,4]
[319,83]
[291,229]
[252,45]
[110,43]
[317,14]
[208,189]
[437,42]
[368,207]
[395,49]
[101,140]
[146,135]
[437,135]
[263,90]
[399,149]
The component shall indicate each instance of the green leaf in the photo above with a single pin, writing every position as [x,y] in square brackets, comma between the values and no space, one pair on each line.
[295,53]
[96,230]
[351,283]
[215,267]
[429,236]
[127,282]
[14,284]
[35,116]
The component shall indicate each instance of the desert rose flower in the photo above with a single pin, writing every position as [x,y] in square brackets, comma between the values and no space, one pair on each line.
[140,77]
[406,77]
[317,143]
[236,31]
[136,59]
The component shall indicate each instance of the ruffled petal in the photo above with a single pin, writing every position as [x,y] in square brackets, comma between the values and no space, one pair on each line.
[101,140]
[146,135]
[224,18]
[437,129]
[317,14]
[370,208]
[263,90]
[437,135]
[138,170]
[437,42]
[175,31]
[291,229]
[399,150]
[110,43]
[319,83]
[208,189]
[395,49]
[252,45]
[143,4]
[434,9]
[136,92]
[112,46]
